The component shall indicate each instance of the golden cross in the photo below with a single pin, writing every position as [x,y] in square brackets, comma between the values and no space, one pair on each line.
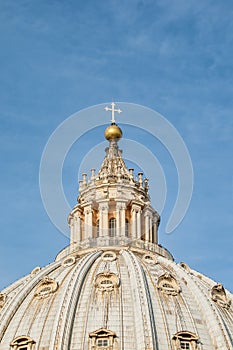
[113,110]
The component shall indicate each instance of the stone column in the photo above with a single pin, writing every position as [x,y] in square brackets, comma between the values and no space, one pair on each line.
[150,229]
[77,229]
[118,221]
[88,221]
[156,220]
[100,222]
[71,224]
[122,231]
[147,226]
[139,224]
[133,223]
[103,220]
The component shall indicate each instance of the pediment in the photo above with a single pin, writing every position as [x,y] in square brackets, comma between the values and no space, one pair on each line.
[102,332]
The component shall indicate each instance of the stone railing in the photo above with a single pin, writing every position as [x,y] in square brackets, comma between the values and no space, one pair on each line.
[115,242]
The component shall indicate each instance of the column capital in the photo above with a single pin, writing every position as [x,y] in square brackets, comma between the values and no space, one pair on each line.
[103,205]
[87,209]
[136,207]
[148,211]
[120,204]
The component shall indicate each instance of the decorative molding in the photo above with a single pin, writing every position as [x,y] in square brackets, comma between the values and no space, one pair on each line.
[185,266]
[2,299]
[149,259]
[35,271]
[168,284]
[218,295]
[107,281]
[23,342]
[68,261]
[46,287]
[108,256]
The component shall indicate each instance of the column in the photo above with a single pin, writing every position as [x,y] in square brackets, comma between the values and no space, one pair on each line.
[88,221]
[118,222]
[100,222]
[147,225]
[123,219]
[139,224]
[103,211]
[133,223]
[156,220]
[77,229]
[71,224]
[150,229]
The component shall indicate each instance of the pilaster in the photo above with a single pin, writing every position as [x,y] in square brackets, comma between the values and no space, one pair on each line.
[136,221]
[88,221]
[103,218]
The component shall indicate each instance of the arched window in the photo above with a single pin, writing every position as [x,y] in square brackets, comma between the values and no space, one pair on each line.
[97,228]
[112,227]
[126,228]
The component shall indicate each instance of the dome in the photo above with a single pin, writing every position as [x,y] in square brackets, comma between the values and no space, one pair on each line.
[115,287]
[113,132]
[124,296]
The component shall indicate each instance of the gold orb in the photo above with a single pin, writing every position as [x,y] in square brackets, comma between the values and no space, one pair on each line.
[113,132]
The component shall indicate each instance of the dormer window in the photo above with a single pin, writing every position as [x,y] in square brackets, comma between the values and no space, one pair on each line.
[23,343]
[102,339]
[185,340]
[112,227]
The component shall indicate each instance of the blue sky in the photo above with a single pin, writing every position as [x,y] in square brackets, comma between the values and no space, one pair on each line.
[58,57]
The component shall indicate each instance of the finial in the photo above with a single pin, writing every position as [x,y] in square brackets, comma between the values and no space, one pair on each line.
[113,132]
[113,110]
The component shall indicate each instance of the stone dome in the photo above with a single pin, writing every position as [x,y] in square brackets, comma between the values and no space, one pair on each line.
[114,287]
[129,297]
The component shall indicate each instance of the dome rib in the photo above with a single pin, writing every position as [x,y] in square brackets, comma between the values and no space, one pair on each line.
[216,331]
[63,324]
[163,338]
[16,303]
[145,337]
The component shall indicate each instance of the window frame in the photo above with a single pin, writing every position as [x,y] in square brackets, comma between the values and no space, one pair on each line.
[112,227]
[103,340]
